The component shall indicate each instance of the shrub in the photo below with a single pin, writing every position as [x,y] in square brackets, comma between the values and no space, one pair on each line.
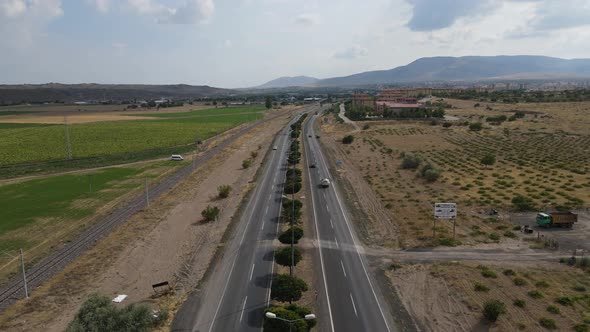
[286,236]
[542,284]
[535,294]
[581,328]
[480,287]
[509,272]
[430,173]
[291,312]
[553,309]
[348,139]
[246,163]
[98,313]
[509,234]
[564,300]
[287,288]
[492,309]
[447,125]
[519,303]
[518,281]
[547,323]
[449,242]
[489,274]
[522,203]
[283,256]
[210,213]
[488,160]
[223,191]
[290,175]
[476,126]
[494,236]
[579,288]
[411,161]
[253,154]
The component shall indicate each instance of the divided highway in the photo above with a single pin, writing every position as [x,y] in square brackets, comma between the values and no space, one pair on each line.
[238,290]
[353,300]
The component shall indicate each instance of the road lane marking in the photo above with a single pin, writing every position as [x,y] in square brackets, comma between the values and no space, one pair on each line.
[331,223]
[355,242]
[343,270]
[252,271]
[327,207]
[266,211]
[353,306]
[337,245]
[244,308]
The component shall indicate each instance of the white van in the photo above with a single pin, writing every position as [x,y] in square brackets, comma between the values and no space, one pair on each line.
[176,157]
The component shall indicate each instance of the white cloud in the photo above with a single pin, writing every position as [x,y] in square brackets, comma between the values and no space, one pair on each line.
[22,21]
[189,12]
[12,8]
[102,6]
[228,43]
[307,19]
[352,53]
[119,46]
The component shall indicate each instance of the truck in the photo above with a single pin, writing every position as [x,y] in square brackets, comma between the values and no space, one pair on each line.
[556,219]
[325,183]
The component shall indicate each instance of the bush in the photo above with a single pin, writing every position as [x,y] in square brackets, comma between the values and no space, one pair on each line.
[430,173]
[553,309]
[283,256]
[290,175]
[223,191]
[579,288]
[581,328]
[489,274]
[518,281]
[286,236]
[348,139]
[494,236]
[98,313]
[509,234]
[509,272]
[522,203]
[287,288]
[480,287]
[448,242]
[447,125]
[535,294]
[476,126]
[246,163]
[492,309]
[411,161]
[547,323]
[292,187]
[542,284]
[519,303]
[253,154]
[210,213]
[488,160]
[564,300]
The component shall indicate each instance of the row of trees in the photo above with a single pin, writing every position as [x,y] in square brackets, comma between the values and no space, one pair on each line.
[521,96]
[287,287]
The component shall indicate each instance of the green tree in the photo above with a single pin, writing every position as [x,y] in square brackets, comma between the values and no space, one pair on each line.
[430,173]
[277,325]
[223,191]
[210,213]
[476,126]
[295,233]
[268,102]
[246,163]
[348,139]
[411,161]
[522,203]
[488,160]
[287,288]
[283,256]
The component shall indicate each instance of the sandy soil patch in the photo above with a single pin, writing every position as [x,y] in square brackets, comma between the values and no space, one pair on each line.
[166,242]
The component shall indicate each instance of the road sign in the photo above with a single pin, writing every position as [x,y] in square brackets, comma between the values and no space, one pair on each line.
[445,210]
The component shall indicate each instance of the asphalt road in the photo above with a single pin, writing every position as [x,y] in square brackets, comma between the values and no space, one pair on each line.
[354,302]
[238,290]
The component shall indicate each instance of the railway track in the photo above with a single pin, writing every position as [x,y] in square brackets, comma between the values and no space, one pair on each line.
[53,264]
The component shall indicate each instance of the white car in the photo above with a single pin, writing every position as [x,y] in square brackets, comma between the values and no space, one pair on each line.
[176,157]
[274,147]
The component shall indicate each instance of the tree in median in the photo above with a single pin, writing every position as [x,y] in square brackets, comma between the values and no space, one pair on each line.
[292,187]
[283,256]
[287,235]
[277,325]
[223,191]
[210,213]
[286,288]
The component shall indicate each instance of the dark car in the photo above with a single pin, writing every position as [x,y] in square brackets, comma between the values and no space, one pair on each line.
[317,136]
[312,165]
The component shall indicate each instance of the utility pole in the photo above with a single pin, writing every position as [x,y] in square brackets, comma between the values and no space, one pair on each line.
[22,261]
[68,146]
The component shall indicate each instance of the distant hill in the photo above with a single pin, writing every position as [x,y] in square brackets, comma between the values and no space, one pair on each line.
[286,81]
[466,68]
[99,92]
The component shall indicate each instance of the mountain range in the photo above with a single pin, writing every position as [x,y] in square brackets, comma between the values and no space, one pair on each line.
[466,68]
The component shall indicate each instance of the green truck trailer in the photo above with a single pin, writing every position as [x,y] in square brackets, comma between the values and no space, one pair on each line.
[556,219]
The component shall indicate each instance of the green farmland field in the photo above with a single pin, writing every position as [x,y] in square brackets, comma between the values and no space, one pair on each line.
[104,143]
[207,112]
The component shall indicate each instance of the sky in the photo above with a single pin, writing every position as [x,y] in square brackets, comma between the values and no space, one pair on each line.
[244,43]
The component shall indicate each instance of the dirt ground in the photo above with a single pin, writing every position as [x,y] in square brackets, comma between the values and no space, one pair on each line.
[442,297]
[167,242]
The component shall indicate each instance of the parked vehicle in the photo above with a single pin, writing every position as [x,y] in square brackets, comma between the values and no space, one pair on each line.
[325,183]
[312,165]
[556,219]
[274,147]
[176,157]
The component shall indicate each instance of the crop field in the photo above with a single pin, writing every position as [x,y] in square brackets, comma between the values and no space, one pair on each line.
[546,164]
[103,143]
[35,214]
[206,112]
